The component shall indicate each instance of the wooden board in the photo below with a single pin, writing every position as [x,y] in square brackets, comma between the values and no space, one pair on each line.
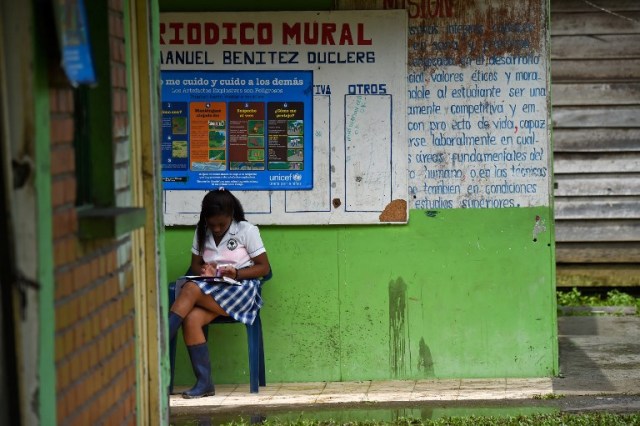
[596,140]
[594,23]
[565,69]
[612,116]
[597,5]
[597,163]
[613,46]
[598,252]
[598,275]
[588,185]
[591,94]
[597,208]
[597,230]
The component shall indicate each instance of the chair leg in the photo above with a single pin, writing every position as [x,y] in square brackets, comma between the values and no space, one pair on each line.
[172,342]
[262,379]
[172,363]
[205,331]
[253,336]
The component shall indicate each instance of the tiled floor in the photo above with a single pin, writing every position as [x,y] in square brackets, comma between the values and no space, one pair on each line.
[283,394]
[598,355]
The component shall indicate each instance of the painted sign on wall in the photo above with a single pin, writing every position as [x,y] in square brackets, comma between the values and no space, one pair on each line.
[356,158]
[239,130]
[477,113]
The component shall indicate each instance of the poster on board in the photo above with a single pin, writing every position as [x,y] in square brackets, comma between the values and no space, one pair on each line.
[72,27]
[239,130]
[331,150]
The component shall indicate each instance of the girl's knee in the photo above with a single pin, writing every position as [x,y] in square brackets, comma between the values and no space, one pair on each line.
[193,319]
[190,291]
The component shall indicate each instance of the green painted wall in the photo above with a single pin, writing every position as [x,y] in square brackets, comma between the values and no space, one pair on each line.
[455,293]
[460,293]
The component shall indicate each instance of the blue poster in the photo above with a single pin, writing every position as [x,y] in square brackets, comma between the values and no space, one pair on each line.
[73,34]
[241,130]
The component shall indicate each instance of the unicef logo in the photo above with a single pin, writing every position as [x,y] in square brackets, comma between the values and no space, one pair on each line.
[297,177]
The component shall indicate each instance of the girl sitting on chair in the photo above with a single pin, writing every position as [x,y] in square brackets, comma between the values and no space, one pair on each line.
[226,244]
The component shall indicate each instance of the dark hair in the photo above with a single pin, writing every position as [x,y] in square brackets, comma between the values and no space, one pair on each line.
[215,203]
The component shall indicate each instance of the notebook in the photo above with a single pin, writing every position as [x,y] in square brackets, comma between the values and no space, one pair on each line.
[221,280]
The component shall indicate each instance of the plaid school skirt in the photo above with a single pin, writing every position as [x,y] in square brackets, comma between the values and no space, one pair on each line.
[241,302]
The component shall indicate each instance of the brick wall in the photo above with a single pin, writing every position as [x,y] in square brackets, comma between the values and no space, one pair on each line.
[94,306]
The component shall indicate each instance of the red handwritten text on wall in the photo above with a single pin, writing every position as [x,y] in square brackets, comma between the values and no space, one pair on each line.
[423,8]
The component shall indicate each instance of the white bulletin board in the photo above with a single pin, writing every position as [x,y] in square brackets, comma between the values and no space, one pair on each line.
[359,65]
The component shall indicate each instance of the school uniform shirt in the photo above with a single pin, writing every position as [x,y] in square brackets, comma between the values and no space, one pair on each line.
[241,243]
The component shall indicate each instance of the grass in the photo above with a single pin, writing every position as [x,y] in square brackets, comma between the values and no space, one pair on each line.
[612,298]
[548,396]
[565,419]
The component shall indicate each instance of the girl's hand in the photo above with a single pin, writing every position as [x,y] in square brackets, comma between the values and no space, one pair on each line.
[228,271]
[208,270]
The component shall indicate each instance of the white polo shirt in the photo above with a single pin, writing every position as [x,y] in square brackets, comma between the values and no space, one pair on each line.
[241,243]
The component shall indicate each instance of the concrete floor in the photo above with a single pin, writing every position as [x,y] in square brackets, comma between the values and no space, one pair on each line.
[599,356]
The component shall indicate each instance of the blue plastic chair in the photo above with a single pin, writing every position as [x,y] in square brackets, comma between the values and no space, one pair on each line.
[254,339]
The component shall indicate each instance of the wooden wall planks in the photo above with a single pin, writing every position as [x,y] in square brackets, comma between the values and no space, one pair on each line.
[616,93]
[595,252]
[578,185]
[595,93]
[593,23]
[596,140]
[617,6]
[624,116]
[599,163]
[610,46]
[597,209]
[576,70]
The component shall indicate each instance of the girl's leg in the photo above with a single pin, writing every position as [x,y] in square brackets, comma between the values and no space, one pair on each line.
[181,307]
[193,323]
[190,296]
[198,352]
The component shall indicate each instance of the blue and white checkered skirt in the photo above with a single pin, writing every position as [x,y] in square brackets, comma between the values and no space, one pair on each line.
[241,302]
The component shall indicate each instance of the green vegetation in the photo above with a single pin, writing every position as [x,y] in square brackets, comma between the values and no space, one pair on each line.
[565,419]
[217,139]
[613,298]
[179,149]
[614,302]
[547,396]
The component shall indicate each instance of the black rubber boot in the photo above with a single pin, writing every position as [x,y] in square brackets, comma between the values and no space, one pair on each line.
[174,324]
[199,355]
